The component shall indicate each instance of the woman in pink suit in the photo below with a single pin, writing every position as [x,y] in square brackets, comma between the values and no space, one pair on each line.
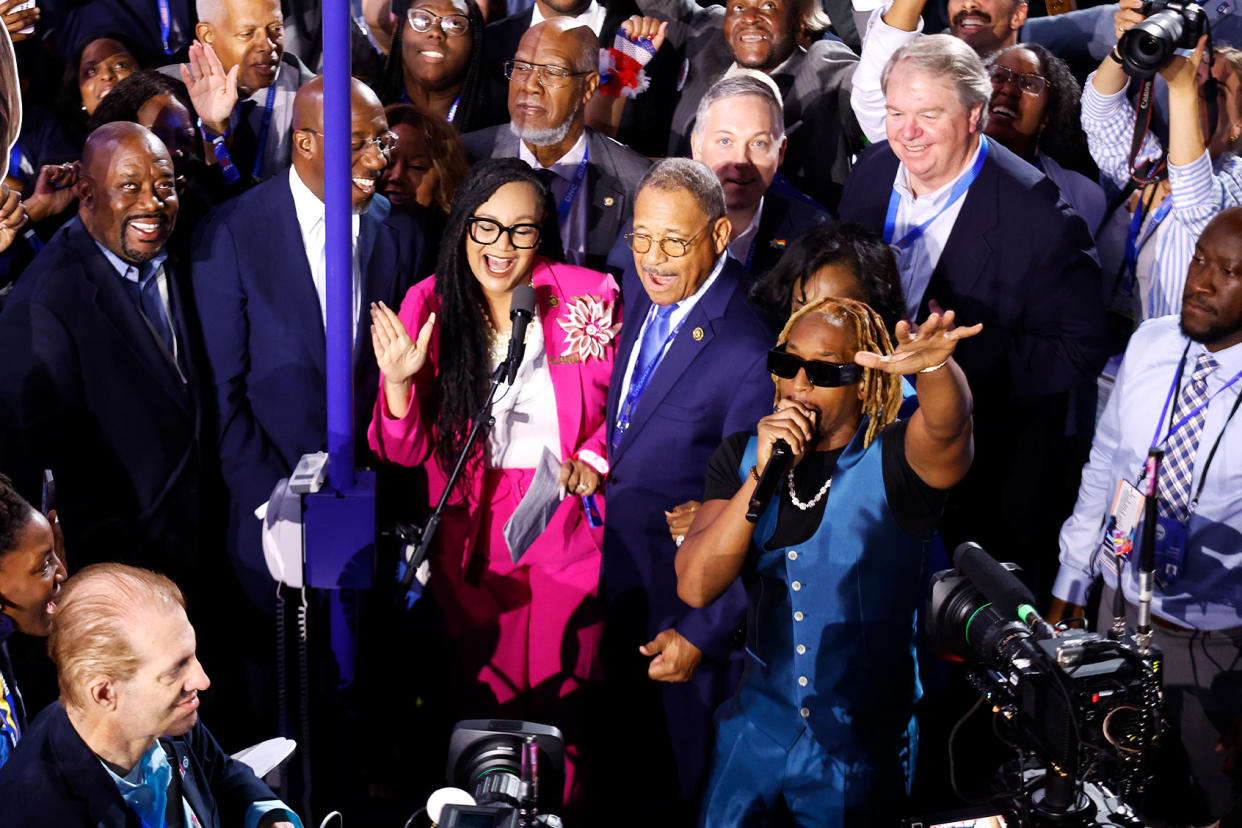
[524,636]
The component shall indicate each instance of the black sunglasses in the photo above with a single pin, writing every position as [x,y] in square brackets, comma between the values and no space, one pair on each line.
[821,374]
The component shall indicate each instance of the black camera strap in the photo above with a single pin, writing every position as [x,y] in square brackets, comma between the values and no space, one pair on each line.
[1144,174]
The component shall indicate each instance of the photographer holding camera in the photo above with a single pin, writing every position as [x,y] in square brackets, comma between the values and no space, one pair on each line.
[1193,364]
[1204,172]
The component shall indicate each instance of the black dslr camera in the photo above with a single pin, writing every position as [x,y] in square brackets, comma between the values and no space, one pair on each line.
[1169,25]
[1087,706]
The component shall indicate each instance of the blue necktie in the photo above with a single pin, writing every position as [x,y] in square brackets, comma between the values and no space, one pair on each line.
[153,306]
[652,345]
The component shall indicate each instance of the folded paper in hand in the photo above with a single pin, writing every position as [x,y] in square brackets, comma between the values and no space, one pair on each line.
[538,505]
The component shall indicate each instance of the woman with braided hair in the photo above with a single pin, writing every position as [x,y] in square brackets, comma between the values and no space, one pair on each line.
[833,566]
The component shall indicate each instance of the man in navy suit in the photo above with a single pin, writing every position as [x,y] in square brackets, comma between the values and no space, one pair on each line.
[123,746]
[98,367]
[980,231]
[259,279]
[690,370]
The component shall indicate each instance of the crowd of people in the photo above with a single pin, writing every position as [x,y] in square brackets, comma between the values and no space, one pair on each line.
[940,283]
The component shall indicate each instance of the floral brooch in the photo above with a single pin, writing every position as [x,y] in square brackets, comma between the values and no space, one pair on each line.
[588,329]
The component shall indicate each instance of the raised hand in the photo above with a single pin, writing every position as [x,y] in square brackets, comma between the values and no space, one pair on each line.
[12,216]
[212,91]
[54,190]
[928,346]
[15,21]
[399,357]
[638,27]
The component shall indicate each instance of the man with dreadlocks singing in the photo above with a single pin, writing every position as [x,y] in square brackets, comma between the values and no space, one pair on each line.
[831,681]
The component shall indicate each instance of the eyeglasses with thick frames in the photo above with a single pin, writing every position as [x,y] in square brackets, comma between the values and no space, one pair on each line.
[550,77]
[487,231]
[1033,85]
[453,25]
[640,243]
[820,374]
[385,143]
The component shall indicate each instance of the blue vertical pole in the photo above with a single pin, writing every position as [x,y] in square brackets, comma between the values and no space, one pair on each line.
[339,243]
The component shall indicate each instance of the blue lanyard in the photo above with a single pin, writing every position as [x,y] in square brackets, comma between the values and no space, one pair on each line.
[639,384]
[1133,244]
[165,25]
[263,128]
[1177,381]
[959,190]
[567,200]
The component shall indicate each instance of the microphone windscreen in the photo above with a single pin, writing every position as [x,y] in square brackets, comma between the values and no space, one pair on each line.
[522,301]
[998,585]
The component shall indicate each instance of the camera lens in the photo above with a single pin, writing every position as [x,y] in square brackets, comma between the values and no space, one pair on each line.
[1149,45]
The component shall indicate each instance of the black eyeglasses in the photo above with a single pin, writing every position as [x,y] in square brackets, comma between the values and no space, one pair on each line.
[1033,85]
[453,25]
[385,143]
[821,374]
[550,77]
[487,231]
[640,243]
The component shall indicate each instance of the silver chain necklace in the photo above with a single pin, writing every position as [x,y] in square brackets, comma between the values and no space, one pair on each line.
[793,497]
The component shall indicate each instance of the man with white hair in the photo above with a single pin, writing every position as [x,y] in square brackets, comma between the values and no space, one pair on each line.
[979,230]
[242,82]
[553,75]
[123,745]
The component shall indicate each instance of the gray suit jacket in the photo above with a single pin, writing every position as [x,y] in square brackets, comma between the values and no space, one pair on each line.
[815,84]
[612,181]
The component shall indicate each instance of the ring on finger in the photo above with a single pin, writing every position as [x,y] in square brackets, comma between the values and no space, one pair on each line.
[582,487]
[679,540]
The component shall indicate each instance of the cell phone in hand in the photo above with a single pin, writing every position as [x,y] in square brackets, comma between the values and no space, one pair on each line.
[29,4]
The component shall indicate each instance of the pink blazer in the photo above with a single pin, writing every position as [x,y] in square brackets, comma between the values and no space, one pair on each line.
[580,385]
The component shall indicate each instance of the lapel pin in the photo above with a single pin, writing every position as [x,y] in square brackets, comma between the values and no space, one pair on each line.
[553,301]
[697,333]
[609,201]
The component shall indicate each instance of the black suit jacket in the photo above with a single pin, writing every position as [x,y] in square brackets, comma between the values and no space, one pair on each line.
[53,778]
[95,397]
[784,218]
[612,178]
[647,118]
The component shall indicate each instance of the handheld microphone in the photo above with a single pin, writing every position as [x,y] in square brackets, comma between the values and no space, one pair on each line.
[778,464]
[521,309]
[1000,586]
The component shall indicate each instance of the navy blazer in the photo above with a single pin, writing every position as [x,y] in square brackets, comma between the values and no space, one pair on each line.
[1020,261]
[94,396]
[712,382]
[787,214]
[53,778]
[264,332]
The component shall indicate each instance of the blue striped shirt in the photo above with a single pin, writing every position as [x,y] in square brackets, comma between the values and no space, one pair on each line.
[1200,190]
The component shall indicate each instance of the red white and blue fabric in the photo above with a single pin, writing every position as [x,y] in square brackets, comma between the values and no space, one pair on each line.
[621,67]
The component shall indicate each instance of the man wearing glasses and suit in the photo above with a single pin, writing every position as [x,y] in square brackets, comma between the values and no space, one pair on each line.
[690,370]
[551,78]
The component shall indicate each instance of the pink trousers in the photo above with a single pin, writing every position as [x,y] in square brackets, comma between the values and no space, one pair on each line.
[524,638]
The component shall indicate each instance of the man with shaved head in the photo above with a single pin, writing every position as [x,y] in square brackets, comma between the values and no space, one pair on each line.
[243,83]
[259,277]
[123,745]
[98,366]
[551,77]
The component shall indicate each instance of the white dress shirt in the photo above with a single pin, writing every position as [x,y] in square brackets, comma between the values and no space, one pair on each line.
[916,262]
[525,411]
[740,247]
[1205,595]
[574,227]
[592,18]
[310,212]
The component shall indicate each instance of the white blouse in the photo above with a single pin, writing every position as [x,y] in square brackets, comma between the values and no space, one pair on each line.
[525,412]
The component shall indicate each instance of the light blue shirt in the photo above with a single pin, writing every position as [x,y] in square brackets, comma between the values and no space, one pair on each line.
[148,801]
[1206,595]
